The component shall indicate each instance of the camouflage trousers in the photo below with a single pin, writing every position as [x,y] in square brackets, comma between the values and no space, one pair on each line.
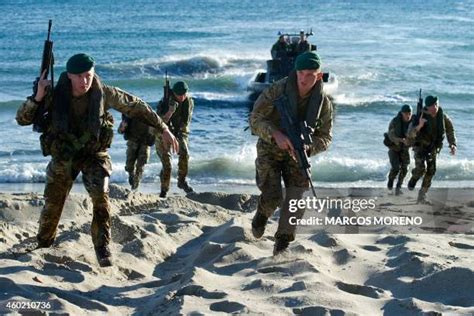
[272,165]
[165,157]
[399,161]
[60,177]
[137,157]
[425,166]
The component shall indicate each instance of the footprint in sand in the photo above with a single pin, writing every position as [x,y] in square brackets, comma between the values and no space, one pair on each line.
[405,258]
[324,240]
[371,248]
[260,284]
[393,240]
[131,274]
[363,290]
[302,249]
[197,290]
[461,245]
[318,310]
[68,262]
[296,286]
[407,306]
[289,268]
[342,256]
[229,307]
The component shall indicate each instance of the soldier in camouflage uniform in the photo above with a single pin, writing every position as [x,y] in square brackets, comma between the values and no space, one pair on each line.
[177,113]
[398,150]
[428,138]
[275,153]
[78,137]
[139,137]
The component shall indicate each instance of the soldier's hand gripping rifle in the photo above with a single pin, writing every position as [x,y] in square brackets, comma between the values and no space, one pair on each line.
[427,153]
[41,117]
[299,134]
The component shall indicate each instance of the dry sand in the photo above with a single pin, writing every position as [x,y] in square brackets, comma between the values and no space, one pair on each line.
[197,256]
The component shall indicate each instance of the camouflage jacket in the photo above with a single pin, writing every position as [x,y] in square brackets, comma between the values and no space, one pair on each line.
[71,134]
[180,121]
[433,132]
[265,119]
[114,98]
[138,132]
[397,130]
[280,50]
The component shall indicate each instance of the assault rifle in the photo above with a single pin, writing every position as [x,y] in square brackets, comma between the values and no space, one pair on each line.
[419,111]
[40,120]
[299,134]
[166,90]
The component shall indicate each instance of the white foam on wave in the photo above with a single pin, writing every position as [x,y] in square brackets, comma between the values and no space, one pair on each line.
[220,58]
[216,96]
[239,167]
[353,99]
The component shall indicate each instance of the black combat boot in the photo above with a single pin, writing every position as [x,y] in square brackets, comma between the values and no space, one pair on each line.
[44,243]
[259,222]
[104,257]
[130,179]
[182,184]
[398,189]
[422,197]
[136,182]
[390,184]
[163,193]
[412,184]
[281,244]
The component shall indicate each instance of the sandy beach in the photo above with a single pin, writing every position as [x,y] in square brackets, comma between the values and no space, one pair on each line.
[196,255]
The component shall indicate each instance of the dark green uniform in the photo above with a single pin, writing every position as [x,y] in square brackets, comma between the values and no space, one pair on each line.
[179,125]
[139,138]
[280,50]
[282,60]
[427,144]
[302,46]
[272,163]
[78,139]
[398,153]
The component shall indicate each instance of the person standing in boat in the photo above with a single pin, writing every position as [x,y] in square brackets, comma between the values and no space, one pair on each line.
[303,44]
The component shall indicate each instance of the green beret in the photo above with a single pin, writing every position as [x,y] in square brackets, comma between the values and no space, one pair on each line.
[308,60]
[430,100]
[180,88]
[79,63]
[406,109]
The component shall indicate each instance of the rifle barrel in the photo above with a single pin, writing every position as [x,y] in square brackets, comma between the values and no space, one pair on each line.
[50,24]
